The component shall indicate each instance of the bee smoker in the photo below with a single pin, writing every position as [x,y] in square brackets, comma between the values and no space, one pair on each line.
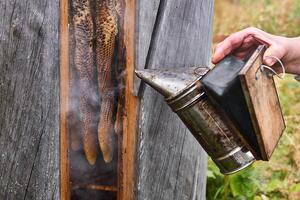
[216,133]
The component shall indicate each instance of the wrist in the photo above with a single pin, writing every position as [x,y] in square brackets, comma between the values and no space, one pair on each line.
[292,58]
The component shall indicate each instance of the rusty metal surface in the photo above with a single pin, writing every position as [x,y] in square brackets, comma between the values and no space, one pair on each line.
[169,82]
[213,130]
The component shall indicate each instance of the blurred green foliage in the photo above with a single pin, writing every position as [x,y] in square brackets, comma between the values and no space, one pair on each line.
[280,177]
[274,16]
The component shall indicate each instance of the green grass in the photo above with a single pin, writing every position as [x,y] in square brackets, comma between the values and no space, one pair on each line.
[280,177]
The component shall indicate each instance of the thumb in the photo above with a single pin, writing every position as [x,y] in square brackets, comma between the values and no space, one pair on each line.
[271,52]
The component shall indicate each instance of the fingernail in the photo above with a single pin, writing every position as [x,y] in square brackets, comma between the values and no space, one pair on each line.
[269,61]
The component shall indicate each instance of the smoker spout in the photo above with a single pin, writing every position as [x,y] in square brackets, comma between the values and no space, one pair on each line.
[170,82]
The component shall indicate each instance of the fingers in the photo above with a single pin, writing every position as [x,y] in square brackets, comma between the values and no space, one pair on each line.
[242,55]
[244,38]
[241,43]
[248,46]
[271,52]
[227,46]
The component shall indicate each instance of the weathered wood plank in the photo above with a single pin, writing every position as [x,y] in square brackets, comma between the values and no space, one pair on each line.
[170,163]
[128,150]
[263,104]
[29,138]
[65,191]
[146,19]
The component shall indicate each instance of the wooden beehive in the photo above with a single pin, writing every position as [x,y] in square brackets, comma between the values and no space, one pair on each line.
[156,157]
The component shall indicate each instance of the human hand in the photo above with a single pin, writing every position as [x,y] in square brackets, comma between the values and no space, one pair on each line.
[245,41]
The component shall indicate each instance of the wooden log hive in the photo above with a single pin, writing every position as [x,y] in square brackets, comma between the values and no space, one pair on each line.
[43,153]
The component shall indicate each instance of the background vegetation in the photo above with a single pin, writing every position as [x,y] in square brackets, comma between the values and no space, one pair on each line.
[280,177]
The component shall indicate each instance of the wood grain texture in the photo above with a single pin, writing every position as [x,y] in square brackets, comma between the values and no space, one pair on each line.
[127,176]
[64,101]
[146,18]
[263,104]
[170,163]
[29,96]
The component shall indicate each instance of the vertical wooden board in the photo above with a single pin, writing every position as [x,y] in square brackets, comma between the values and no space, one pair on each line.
[65,192]
[146,18]
[183,37]
[29,96]
[195,183]
[127,176]
[170,163]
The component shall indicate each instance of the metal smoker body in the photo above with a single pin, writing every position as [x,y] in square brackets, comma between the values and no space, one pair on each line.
[184,93]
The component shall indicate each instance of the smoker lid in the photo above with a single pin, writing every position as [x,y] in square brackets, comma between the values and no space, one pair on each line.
[169,82]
